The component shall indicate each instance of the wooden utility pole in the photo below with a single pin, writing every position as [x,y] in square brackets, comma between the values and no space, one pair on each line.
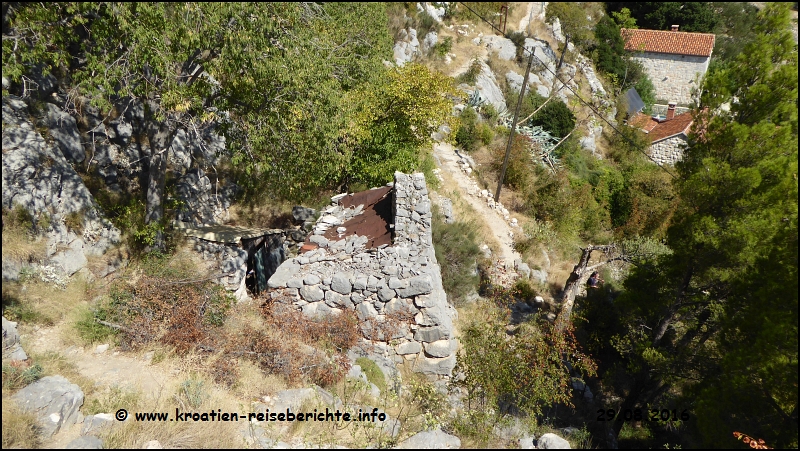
[513,127]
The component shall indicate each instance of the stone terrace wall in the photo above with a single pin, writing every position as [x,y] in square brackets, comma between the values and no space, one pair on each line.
[395,290]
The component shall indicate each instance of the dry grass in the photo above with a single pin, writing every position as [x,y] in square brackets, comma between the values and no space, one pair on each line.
[37,302]
[19,427]
[135,434]
[19,246]
[54,363]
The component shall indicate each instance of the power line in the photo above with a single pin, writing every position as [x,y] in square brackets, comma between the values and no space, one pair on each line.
[591,107]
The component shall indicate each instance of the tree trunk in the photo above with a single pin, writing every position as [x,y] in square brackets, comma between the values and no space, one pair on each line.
[160,140]
[670,311]
[573,283]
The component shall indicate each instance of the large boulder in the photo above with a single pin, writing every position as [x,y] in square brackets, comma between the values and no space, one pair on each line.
[503,47]
[552,441]
[486,84]
[435,439]
[54,400]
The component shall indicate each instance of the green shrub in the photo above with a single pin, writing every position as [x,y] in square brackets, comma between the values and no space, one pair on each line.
[520,163]
[15,378]
[426,165]
[193,391]
[457,251]
[556,118]
[465,136]
[74,221]
[442,48]
[19,217]
[426,24]
[472,72]
[518,38]
[90,331]
[489,112]
[373,373]
[485,133]
[524,368]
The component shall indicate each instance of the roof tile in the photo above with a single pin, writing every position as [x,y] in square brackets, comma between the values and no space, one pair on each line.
[679,124]
[676,42]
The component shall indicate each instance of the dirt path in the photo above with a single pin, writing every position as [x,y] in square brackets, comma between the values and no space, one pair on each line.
[130,372]
[446,156]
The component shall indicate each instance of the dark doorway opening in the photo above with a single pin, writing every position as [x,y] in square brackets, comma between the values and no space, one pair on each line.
[264,255]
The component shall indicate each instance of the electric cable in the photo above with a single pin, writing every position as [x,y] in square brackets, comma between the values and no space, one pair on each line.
[591,107]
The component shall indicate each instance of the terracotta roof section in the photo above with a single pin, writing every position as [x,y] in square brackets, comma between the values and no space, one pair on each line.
[676,42]
[667,129]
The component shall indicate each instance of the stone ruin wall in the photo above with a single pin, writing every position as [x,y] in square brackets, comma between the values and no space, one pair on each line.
[395,290]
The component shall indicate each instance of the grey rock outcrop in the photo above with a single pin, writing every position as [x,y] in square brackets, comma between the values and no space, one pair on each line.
[429,41]
[54,400]
[64,130]
[12,350]
[486,84]
[407,47]
[37,177]
[552,441]
[435,439]
[503,47]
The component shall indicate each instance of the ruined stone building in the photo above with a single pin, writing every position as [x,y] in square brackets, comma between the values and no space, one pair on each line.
[372,253]
[675,61]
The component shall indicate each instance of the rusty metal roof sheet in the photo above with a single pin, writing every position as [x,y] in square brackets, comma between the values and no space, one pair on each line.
[374,220]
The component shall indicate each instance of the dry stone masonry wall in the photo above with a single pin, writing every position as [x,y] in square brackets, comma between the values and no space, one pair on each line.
[668,151]
[395,290]
[674,76]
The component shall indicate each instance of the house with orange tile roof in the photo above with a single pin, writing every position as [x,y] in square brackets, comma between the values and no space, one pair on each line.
[675,61]
[668,137]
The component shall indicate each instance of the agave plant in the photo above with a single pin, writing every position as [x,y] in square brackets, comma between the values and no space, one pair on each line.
[475,99]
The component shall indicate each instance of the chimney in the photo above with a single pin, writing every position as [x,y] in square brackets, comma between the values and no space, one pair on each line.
[675,27]
[671,110]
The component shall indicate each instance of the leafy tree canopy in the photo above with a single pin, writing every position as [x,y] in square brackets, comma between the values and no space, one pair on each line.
[280,80]
[721,311]
[691,16]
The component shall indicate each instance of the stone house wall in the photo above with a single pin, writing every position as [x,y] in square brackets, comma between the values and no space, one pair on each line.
[395,290]
[670,150]
[673,76]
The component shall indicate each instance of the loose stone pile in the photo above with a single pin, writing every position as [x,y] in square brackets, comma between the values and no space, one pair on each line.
[395,290]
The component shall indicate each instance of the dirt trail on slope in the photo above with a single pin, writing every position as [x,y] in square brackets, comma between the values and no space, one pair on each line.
[109,369]
[448,160]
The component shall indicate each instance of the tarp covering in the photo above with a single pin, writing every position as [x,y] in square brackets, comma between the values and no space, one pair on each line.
[223,233]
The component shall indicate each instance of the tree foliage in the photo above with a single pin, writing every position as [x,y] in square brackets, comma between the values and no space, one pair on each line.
[717,318]
[299,90]
[525,368]
[691,16]
[574,23]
